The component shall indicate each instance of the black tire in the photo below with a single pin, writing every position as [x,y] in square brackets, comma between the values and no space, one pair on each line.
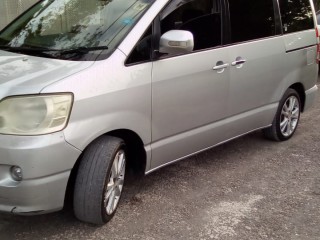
[274,132]
[92,179]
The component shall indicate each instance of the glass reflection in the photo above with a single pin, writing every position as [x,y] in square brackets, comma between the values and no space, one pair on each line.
[72,24]
[296,15]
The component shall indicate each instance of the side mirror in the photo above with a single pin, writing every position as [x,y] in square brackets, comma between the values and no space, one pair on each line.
[176,42]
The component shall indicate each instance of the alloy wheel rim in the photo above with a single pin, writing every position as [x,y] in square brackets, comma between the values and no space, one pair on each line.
[289,116]
[115,182]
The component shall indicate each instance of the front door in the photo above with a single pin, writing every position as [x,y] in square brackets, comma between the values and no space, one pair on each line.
[188,95]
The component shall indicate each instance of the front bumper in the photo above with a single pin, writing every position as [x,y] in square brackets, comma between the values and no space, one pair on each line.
[46,162]
[310,97]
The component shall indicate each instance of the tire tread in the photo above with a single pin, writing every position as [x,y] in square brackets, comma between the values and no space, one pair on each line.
[90,181]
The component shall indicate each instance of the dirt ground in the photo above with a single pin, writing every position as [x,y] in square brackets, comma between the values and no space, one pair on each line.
[250,188]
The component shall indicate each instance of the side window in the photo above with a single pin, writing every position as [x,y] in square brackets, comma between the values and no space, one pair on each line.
[201,17]
[251,19]
[296,15]
[142,51]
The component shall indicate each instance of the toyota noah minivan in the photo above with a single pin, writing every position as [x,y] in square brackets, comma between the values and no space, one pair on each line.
[92,88]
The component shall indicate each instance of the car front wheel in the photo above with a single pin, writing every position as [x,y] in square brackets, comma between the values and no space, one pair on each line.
[100,179]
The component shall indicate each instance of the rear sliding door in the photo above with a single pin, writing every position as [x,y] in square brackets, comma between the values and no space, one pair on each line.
[256,57]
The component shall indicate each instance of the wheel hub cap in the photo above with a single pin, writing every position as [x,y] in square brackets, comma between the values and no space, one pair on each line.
[115,183]
[289,116]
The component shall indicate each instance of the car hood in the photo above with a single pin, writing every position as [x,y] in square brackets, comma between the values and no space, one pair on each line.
[23,74]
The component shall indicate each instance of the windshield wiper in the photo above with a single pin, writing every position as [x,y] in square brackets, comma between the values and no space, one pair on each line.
[60,51]
[22,49]
[37,51]
[82,49]
[52,53]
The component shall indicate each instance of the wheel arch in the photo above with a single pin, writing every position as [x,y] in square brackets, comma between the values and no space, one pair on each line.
[301,91]
[137,158]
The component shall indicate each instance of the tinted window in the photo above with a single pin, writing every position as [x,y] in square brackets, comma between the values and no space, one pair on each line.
[251,19]
[296,15]
[201,17]
[142,51]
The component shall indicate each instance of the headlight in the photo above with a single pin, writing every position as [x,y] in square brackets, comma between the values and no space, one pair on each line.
[34,115]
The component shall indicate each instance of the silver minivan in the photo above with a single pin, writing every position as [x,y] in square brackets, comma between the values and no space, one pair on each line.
[91,88]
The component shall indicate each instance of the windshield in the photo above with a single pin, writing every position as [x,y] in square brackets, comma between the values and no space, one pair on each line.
[61,27]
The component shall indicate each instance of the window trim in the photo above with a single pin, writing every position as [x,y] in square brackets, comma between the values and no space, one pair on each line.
[151,50]
[286,33]
[156,34]
[253,40]
[154,41]
[158,28]
[155,55]
[277,17]
[276,21]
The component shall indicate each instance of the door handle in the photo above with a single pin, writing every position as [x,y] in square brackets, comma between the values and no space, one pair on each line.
[222,66]
[238,61]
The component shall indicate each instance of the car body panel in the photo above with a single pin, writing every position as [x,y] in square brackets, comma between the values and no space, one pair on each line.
[114,97]
[258,82]
[36,196]
[23,74]
[46,161]
[178,106]
[297,40]
[187,94]
[206,137]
